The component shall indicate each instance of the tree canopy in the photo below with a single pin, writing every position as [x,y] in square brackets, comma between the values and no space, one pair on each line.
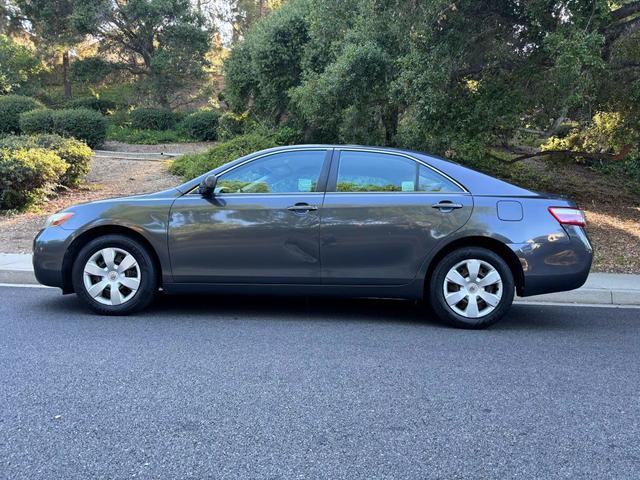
[454,77]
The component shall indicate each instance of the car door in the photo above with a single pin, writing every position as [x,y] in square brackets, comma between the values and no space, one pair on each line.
[382,214]
[262,224]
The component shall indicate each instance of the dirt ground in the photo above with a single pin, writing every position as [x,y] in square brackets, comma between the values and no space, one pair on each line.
[613,214]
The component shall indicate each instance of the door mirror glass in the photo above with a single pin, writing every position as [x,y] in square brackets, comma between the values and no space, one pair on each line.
[208,185]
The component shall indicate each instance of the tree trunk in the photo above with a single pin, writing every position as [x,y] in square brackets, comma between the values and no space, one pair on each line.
[65,74]
[261,8]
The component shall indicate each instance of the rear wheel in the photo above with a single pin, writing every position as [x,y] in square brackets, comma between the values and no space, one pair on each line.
[115,275]
[471,288]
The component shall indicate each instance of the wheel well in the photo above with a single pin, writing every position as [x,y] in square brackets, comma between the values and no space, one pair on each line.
[492,244]
[86,237]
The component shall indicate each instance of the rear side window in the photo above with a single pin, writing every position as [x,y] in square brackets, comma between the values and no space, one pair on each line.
[381,172]
[287,172]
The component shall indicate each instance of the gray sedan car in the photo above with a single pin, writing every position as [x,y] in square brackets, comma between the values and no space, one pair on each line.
[320,219]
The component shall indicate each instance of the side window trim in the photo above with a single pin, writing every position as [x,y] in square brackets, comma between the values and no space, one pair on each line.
[333,174]
[322,179]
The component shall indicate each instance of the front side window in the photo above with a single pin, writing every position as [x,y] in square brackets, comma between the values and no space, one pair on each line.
[286,172]
[381,172]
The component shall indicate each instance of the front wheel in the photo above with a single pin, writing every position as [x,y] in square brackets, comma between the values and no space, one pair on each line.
[115,275]
[471,288]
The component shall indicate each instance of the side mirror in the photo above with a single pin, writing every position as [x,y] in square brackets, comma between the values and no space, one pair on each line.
[208,185]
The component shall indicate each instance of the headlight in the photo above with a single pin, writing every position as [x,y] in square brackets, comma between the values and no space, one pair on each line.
[57,219]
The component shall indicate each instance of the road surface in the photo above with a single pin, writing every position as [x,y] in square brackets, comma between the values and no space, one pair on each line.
[292,388]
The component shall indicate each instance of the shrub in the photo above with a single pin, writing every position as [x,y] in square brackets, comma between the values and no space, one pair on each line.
[93,103]
[27,175]
[145,137]
[152,119]
[194,164]
[76,154]
[202,125]
[11,106]
[81,123]
[231,125]
[37,121]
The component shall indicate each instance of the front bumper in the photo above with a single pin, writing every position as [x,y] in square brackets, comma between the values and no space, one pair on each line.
[49,250]
[555,263]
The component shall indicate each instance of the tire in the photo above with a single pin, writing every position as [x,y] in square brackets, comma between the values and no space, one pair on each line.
[99,267]
[453,296]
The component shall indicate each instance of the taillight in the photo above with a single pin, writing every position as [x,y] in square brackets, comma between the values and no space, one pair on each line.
[568,216]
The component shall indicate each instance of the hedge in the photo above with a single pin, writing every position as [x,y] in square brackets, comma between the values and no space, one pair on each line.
[11,106]
[202,125]
[80,123]
[152,119]
[27,175]
[76,154]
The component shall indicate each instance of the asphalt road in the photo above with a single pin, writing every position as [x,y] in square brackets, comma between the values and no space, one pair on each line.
[285,388]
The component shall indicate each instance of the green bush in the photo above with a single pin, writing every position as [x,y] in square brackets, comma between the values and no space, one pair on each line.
[152,119]
[37,121]
[27,175]
[231,125]
[202,125]
[76,154]
[11,106]
[191,165]
[93,103]
[145,137]
[80,123]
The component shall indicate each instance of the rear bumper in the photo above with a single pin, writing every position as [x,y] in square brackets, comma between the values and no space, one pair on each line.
[552,264]
[49,249]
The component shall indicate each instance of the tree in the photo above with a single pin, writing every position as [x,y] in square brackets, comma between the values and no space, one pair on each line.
[455,77]
[162,41]
[52,21]
[18,66]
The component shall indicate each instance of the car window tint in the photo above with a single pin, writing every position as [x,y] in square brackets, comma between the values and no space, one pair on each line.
[433,182]
[287,172]
[379,172]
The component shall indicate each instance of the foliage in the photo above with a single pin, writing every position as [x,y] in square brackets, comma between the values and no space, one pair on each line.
[191,165]
[126,134]
[27,175]
[80,123]
[152,119]
[454,78]
[91,70]
[76,154]
[37,121]
[18,66]
[201,125]
[11,106]
[162,41]
[231,125]
[606,133]
[93,103]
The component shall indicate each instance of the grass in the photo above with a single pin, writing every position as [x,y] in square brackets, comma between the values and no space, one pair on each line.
[146,137]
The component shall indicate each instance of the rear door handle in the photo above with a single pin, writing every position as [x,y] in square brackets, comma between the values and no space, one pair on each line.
[446,206]
[302,207]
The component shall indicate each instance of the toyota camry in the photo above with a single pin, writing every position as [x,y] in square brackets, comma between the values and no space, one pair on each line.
[323,220]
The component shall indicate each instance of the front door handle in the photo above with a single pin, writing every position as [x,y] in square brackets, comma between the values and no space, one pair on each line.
[302,208]
[446,206]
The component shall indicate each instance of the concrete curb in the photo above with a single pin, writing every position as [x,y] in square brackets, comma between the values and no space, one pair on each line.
[600,289]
